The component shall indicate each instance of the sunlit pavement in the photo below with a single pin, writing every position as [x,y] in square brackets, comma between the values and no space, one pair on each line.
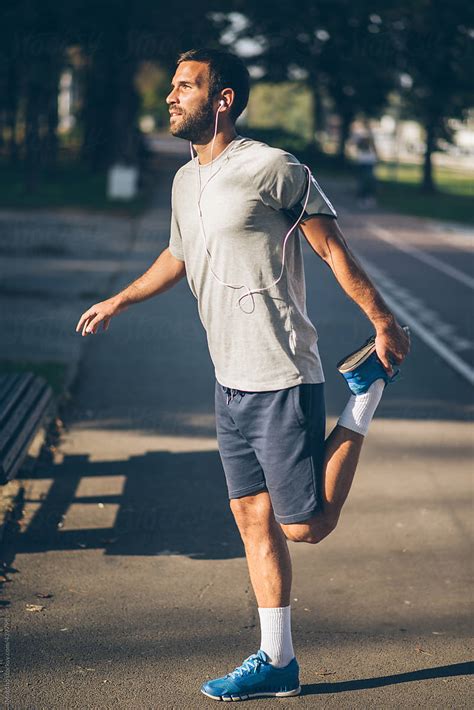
[129,529]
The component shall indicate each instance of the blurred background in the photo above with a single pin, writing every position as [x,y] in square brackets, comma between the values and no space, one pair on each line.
[83,87]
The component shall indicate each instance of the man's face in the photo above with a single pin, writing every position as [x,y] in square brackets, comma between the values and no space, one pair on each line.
[192,112]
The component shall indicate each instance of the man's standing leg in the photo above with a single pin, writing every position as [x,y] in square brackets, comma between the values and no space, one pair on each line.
[240,417]
[270,572]
[273,670]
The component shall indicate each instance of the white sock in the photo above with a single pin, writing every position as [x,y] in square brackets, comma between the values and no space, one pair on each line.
[360,408]
[275,625]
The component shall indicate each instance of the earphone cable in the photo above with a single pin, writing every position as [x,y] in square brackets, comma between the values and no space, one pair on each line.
[200,190]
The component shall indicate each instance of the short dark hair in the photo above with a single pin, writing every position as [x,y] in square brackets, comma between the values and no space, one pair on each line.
[226,71]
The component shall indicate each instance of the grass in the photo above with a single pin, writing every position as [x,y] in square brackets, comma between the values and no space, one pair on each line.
[399,190]
[53,372]
[448,180]
[405,199]
[69,185]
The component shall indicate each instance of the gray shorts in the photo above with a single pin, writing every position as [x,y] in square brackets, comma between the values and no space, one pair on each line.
[274,441]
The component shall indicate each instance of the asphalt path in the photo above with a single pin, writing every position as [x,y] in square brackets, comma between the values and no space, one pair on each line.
[127,535]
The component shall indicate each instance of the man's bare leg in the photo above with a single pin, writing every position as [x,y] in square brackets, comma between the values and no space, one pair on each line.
[341,456]
[266,549]
[342,451]
[269,566]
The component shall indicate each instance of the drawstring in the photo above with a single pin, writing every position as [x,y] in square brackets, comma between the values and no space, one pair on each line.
[231,393]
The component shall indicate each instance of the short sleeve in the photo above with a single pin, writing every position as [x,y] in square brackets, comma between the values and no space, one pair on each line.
[283,184]
[175,243]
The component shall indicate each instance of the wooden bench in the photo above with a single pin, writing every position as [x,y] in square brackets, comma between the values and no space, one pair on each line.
[25,400]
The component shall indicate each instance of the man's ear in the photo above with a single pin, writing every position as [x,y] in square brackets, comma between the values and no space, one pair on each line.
[228,95]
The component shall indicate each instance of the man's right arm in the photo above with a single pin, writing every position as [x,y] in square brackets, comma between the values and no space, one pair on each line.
[164,273]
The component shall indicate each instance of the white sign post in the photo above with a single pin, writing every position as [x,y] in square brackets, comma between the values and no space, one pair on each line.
[122,182]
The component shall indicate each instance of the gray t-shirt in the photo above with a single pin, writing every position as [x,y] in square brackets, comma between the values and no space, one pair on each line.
[251,196]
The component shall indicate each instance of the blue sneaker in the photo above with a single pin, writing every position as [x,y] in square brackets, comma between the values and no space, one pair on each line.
[255,678]
[362,367]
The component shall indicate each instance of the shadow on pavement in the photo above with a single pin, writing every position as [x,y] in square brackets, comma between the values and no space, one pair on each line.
[168,503]
[456,669]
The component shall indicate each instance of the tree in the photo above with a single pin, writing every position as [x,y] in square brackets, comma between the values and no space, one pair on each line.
[32,58]
[435,40]
[335,43]
[123,35]
[111,39]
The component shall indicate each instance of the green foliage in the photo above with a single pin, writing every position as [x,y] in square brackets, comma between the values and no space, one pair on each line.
[355,53]
[336,43]
[436,48]
[277,137]
[153,85]
[435,44]
[106,42]
[287,105]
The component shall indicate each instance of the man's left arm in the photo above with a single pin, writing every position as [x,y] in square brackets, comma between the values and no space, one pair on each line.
[326,239]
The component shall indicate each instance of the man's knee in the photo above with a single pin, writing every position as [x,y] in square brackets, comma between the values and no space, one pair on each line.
[312,531]
[252,511]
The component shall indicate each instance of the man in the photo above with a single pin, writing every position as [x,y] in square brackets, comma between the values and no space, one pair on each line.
[366,160]
[233,207]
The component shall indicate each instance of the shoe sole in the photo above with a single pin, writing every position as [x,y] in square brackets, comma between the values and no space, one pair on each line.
[236,698]
[356,358]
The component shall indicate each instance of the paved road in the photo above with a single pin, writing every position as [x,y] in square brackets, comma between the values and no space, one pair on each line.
[51,266]
[128,530]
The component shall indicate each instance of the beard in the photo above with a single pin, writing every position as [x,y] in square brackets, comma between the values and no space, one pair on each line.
[196,127]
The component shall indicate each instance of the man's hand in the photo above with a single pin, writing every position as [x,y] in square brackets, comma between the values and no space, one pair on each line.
[392,345]
[164,273]
[99,313]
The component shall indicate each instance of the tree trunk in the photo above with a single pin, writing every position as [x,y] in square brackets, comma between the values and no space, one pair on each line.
[125,148]
[12,110]
[96,114]
[32,136]
[346,120]
[428,184]
[51,138]
[111,105]
[319,117]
